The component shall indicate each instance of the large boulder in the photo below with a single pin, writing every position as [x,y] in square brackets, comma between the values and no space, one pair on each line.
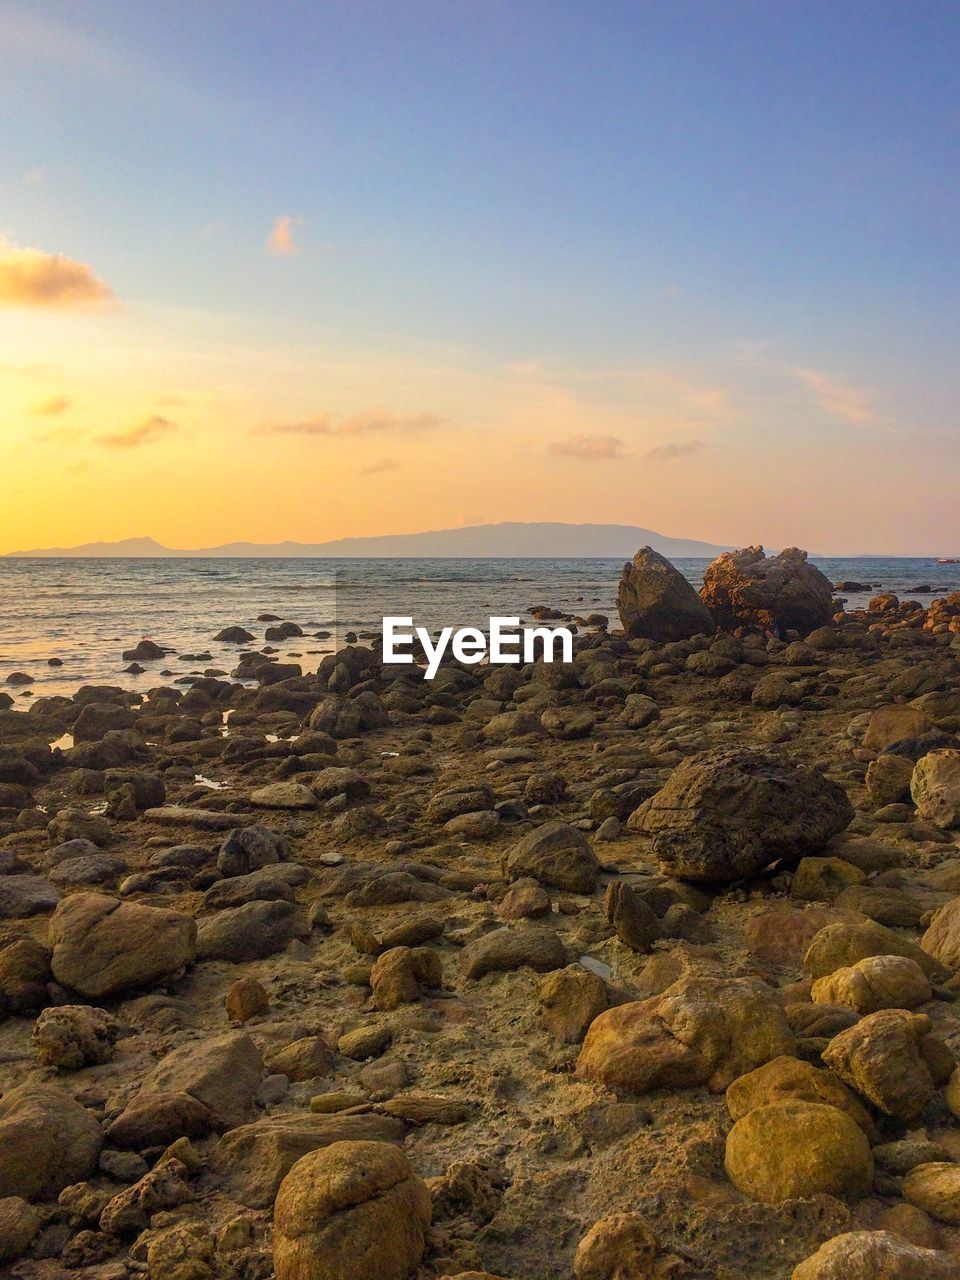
[725,814]
[791,1149]
[870,1255]
[222,1072]
[935,787]
[882,1057]
[779,593]
[102,946]
[701,1030]
[655,601]
[351,1211]
[47,1141]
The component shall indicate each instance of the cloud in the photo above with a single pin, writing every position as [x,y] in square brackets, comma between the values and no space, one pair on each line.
[281,239]
[588,448]
[51,407]
[33,278]
[149,431]
[680,449]
[852,404]
[383,464]
[361,424]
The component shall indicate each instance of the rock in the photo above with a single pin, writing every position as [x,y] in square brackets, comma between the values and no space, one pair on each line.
[555,854]
[876,982]
[130,1211]
[787,1079]
[654,600]
[822,879]
[305,1059]
[621,1247]
[19,1223]
[935,787]
[283,795]
[269,884]
[401,974]
[350,1211]
[156,1119]
[935,1188]
[251,932]
[77,824]
[364,1042]
[512,948]
[26,895]
[234,635]
[777,593]
[636,924]
[222,1072]
[701,1030]
[888,779]
[894,723]
[726,814]
[247,849]
[942,938]
[876,1255]
[524,900]
[72,1036]
[787,1150]
[24,974]
[90,869]
[47,1141]
[881,1057]
[245,999]
[840,945]
[102,946]
[570,999]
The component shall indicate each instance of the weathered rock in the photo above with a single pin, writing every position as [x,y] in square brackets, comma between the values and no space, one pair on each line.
[636,923]
[654,600]
[699,1031]
[19,1223]
[163,1187]
[307,1058]
[789,1149]
[726,814]
[102,946]
[876,982]
[156,1119]
[822,879]
[47,1141]
[245,999]
[893,723]
[555,854]
[935,1188]
[942,938]
[888,779]
[935,787]
[247,849]
[513,948]
[840,945]
[876,1255]
[72,1036]
[251,932]
[881,1058]
[621,1247]
[570,999]
[222,1072]
[780,593]
[400,975]
[350,1211]
[26,895]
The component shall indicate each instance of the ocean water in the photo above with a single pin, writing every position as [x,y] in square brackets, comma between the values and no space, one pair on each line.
[86,612]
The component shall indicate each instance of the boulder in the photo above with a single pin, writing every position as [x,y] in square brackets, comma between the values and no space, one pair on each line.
[26,895]
[102,946]
[876,982]
[251,932]
[19,1223]
[655,601]
[556,854]
[47,1141]
[787,1079]
[787,1150]
[935,787]
[351,1211]
[935,1188]
[876,1255]
[701,1030]
[842,944]
[725,814]
[71,1036]
[222,1072]
[401,974]
[247,849]
[942,938]
[620,1247]
[570,1000]
[893,723]
[513,948]
[776,593]
[881,1057]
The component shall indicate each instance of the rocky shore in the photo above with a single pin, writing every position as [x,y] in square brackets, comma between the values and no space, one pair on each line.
[641,966]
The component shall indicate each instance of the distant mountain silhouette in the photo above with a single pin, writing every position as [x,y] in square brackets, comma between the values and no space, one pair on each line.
[512,539]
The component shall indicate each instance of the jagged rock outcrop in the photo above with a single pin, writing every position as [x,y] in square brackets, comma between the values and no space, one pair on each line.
[784,593]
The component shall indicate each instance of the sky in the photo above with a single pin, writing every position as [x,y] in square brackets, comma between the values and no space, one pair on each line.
[312,270]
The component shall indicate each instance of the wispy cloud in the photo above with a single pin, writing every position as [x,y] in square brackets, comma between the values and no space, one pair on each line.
[33,278]
[51,407]
[383,464]
[588,448]
[149,431]
[327,424]
[679,449]
[281,240]
[851,404]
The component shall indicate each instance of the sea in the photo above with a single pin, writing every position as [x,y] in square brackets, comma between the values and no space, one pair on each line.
[86,612]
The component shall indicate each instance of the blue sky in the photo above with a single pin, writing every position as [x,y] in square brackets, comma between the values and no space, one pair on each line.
[753,209]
